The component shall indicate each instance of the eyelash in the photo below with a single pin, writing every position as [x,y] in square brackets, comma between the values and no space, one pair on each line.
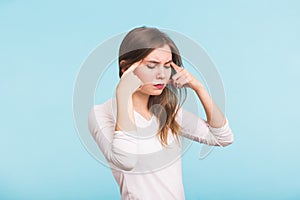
[152,67]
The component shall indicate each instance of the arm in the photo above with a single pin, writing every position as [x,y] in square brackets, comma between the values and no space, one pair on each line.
[215,117]
[214,131]
[128,84]
[119,148]
[122,146]
[197,129]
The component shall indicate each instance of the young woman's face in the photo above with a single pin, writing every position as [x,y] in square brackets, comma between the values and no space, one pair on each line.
[155,71]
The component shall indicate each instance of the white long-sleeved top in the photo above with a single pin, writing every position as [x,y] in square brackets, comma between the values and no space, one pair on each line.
[142,167]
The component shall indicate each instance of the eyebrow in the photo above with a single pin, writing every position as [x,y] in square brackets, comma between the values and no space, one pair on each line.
[156,62]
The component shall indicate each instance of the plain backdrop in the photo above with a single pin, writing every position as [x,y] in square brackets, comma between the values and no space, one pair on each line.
[254,45]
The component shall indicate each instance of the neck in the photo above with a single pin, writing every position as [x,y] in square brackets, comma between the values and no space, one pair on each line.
[140,101]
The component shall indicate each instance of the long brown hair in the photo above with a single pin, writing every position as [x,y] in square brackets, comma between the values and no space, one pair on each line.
[136,45]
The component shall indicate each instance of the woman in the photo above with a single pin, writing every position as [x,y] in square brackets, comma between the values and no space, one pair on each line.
[139,131]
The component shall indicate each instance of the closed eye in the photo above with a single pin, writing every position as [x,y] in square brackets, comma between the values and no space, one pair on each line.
[151,66]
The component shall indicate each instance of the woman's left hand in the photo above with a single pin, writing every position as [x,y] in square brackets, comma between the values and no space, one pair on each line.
[183,78]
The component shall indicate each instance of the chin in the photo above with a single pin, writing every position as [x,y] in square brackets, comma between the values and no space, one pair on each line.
[152,92]
[156,93]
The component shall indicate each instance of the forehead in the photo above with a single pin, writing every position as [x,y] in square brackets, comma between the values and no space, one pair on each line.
[162,54]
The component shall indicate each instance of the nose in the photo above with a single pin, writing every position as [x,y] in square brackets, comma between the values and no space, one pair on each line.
[161,74]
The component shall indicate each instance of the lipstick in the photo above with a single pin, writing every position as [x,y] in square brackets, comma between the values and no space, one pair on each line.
[159,86]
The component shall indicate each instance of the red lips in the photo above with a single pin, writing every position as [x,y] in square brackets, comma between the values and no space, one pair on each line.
[159,86]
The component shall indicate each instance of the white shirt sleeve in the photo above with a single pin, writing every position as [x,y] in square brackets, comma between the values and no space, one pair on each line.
[118,147]
[197,129]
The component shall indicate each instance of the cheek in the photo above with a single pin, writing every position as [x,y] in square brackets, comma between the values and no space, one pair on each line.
[149,75]
[146,76]
[168,73]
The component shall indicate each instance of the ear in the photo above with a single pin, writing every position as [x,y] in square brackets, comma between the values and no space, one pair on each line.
[122,62]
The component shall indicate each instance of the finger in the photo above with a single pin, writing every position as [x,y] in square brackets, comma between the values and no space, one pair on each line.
[174,83]
[182,81]
[176,76]
[170,81]
[176,67]
[132,67]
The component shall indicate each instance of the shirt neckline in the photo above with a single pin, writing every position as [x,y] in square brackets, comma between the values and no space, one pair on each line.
[143,118]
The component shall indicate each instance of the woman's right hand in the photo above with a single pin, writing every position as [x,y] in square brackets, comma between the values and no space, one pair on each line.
[127,85]
[129,81]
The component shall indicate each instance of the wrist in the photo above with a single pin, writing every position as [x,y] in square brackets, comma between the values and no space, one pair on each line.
[199,87]
[123,93]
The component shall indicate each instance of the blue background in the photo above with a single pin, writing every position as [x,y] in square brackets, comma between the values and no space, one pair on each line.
[254,44]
